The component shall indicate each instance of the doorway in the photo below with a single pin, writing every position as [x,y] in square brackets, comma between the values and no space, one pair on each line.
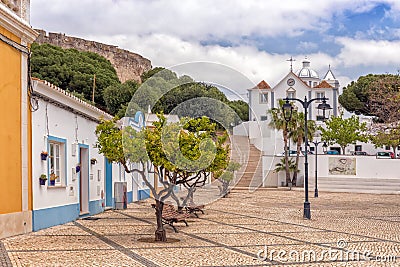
[108,185]
[84,179]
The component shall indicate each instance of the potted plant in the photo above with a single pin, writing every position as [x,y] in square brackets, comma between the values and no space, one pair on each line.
[42,179]
[93,161]
[53,179]
[78,168]
[43,155]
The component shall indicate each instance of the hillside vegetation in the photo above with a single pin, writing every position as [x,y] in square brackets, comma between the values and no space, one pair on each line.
[81,72]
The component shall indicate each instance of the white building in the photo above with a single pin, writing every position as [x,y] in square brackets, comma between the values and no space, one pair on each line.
[336,172]
[304,83]
[64,127]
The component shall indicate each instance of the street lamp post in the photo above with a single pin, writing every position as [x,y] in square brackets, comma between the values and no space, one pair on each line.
[316,143]
[287,113]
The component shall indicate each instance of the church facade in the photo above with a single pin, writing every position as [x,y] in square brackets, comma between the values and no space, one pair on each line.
[300,84]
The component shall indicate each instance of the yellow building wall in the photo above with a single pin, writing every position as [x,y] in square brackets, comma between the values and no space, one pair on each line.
[10,129]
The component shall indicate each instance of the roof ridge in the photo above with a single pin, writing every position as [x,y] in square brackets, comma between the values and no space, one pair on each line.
[263,85]
[323,84]
[84,103]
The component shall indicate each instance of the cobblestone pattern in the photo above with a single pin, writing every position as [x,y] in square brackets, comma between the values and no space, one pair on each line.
[231,233]
[4,259]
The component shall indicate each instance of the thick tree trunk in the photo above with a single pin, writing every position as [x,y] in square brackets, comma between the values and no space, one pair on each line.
[160,234]
[287,171]
[294,180]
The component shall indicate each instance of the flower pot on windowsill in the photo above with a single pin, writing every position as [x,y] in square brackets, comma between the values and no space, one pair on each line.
[43,155]
[53,179]
[42,179]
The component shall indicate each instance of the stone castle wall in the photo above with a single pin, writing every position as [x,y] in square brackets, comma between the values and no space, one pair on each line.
[128,65]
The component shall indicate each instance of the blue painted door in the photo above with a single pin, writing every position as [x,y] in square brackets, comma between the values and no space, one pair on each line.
[108,167]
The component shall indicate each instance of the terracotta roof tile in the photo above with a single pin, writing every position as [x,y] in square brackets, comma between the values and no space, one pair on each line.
[323,84]
[263,85]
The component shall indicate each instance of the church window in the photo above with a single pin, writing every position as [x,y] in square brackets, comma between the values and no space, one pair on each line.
[291,93]
[263,98]
[319,95]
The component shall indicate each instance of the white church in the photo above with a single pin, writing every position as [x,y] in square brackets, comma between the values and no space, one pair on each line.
[358,173]
[305,82]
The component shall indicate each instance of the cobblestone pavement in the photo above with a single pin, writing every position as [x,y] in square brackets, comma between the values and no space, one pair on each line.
[4,259]
[345,230]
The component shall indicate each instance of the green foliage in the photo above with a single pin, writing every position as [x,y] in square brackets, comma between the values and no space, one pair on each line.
[241,108]
[390,137]
[279,123]
[109,141]
[344,131]
[281,166]
[373,95]
[150,73]
[297,134]
[76,71]
[167,92]
[116,96]
[73,70]
[183,148]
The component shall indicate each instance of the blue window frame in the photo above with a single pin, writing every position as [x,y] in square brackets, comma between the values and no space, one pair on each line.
[57,160]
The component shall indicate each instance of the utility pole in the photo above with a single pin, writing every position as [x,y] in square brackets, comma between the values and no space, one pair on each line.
[94,86]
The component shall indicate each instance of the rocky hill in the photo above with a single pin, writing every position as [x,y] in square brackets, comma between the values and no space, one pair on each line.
[128,65]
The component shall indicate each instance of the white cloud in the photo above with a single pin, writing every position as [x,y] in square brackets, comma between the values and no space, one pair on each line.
[307,46]
[169,32]
[191,19]
[168,51]
[368,52]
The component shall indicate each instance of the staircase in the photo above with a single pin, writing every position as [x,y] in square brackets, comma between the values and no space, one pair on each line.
[356,185]
[250,174]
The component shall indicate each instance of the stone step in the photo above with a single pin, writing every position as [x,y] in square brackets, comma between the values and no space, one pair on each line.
[359,185]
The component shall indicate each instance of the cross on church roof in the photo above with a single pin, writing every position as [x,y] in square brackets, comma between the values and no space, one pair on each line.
[291,63]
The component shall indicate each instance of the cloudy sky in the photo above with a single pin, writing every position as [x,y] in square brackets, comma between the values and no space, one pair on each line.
[255,37]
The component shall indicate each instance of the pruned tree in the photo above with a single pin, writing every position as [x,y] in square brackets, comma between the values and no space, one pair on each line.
[384,99]
[180,156]
[344,131]
[227,177]
[374,95]
[389,137]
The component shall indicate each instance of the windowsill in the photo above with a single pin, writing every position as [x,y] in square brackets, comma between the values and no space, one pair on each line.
[56,186]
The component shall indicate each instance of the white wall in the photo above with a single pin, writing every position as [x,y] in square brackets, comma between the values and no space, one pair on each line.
[51,119]
[66,125]
[366,167]
[241,129]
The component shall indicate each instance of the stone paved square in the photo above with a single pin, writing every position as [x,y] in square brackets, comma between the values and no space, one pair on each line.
[234,231]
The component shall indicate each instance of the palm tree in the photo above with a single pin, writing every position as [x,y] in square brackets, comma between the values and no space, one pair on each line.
[297,135]
[278,122]
[280,166]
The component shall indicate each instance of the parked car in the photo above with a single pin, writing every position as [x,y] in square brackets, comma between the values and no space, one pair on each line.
[384,155]
[291,153]
[332,152]
[359,153]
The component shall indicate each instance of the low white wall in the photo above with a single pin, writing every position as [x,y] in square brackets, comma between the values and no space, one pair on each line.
[365,167]
[241,129]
